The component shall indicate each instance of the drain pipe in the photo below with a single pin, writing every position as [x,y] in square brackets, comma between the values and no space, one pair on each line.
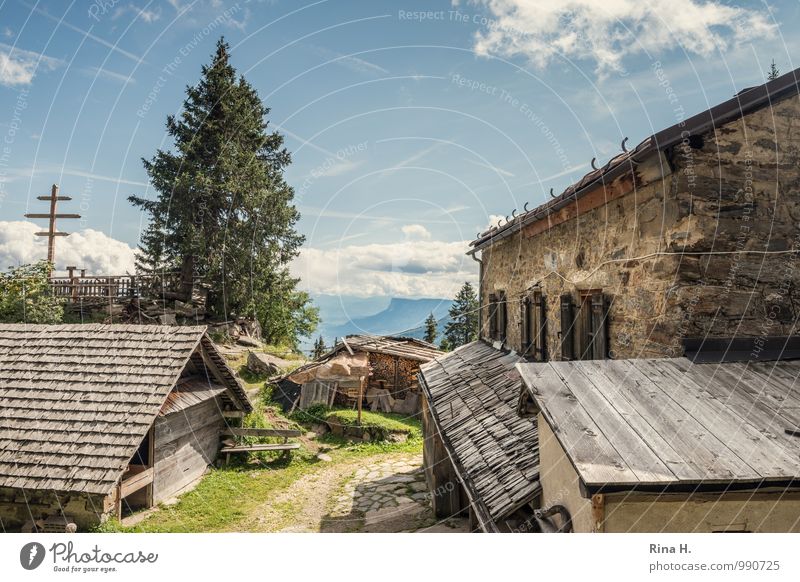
[480,292]
[566,519]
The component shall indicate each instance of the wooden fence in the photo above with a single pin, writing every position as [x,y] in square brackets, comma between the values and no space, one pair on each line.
[113,288]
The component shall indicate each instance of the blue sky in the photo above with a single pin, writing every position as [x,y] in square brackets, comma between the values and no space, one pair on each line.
[409,131]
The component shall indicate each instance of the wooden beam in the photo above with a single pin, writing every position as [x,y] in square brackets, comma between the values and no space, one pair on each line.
[261,432]
[233,414]
[251,448]
[598,512]
[349,349]
[138,481]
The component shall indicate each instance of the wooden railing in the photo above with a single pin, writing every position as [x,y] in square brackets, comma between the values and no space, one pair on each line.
[113,288]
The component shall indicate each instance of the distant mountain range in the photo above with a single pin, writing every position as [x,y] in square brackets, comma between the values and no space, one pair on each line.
[343,316]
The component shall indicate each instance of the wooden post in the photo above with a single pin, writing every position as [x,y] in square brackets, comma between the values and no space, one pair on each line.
[360,398]
[51,233]
[598,512]
[73,284]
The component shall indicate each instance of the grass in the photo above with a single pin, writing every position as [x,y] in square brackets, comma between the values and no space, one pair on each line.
[387,421]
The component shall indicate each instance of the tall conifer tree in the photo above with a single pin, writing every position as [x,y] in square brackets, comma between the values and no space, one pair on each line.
[223,214]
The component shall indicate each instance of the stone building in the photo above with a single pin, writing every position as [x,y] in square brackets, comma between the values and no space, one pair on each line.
[100,419]
[677,257]
[692,233]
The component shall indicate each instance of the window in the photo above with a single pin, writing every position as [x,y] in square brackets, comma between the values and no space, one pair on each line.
[534,327]
[584,326]
[498,316]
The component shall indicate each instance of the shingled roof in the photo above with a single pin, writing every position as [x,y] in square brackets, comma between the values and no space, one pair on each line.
[76,400]
[473,393]
[404,347]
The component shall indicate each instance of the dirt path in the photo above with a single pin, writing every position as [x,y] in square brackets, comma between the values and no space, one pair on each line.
[379,493]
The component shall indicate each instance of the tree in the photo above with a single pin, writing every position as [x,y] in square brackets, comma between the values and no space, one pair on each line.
[223,214]
[319,348]
[774,72]
[430,329]
[26,296]
[445,345]
[463,325]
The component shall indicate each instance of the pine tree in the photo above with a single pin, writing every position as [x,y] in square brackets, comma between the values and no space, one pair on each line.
[223,214]
[463,325]
[319,348]
[430,329]
[774,72]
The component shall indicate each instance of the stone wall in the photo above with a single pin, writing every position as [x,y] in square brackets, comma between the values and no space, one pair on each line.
[19,506]
[718,194]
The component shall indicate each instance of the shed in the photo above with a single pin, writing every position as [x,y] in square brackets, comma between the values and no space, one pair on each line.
[98,418]
[380,369]
[670,445]
[479,454]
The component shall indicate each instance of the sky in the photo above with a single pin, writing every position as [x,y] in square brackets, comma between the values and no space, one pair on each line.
[412,125]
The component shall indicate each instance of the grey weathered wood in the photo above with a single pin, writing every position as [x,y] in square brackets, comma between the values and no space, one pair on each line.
[596,369]
[734,426]
[253,448]
[645,463]
[262,432]
[590,450]
[694,441]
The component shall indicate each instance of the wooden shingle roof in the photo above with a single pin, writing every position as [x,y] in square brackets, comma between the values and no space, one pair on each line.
[405,347]
[473,393]
[76,400]
[665,423]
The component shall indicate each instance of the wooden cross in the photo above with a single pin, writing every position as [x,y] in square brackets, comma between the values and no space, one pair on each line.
[51,233]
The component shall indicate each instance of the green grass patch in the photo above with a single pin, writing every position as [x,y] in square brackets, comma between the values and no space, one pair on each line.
[386,421]
[222,498]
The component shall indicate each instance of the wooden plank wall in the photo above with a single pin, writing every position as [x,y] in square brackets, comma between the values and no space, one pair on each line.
[447,494]
[186,442]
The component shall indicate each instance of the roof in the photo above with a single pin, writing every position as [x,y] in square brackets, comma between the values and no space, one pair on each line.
[744,102]
[405,347]
[668,423]
[472,393]
[76,400]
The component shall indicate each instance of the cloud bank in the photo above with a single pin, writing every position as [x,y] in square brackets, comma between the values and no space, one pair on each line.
[88,249]
[416,267]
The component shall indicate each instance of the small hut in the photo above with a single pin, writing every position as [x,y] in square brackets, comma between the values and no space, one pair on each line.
[97,419]
[379,371]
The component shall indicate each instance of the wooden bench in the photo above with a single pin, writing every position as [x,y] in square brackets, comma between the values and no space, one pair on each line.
[260,432]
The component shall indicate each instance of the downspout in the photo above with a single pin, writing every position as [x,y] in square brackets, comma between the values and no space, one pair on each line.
[480,292]
[547,525]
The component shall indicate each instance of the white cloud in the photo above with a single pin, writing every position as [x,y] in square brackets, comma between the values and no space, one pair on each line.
[18,67]
[411,268]
[607,32]
[416,231]
[88,249]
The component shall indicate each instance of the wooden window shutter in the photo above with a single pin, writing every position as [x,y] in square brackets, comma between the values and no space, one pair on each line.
[503,325]
[493,316]
[566,327]
[525,326]
[539,327]
[599,327]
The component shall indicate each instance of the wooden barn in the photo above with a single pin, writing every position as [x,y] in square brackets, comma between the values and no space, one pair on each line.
[100,419]
[381,371]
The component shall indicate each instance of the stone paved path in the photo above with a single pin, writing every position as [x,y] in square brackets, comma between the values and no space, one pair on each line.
[390,483]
